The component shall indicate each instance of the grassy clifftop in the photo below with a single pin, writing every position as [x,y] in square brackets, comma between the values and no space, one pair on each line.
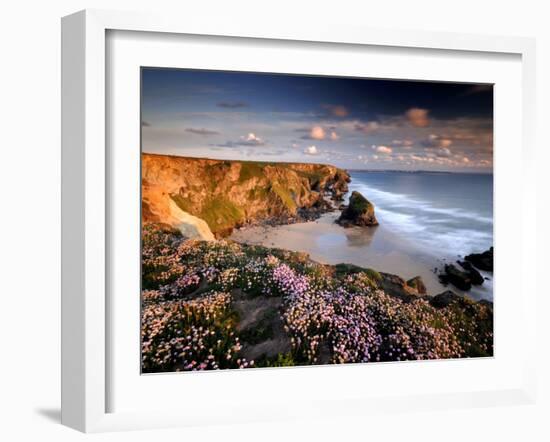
[226,194]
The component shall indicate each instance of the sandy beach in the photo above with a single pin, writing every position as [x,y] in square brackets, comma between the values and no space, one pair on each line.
[378,248]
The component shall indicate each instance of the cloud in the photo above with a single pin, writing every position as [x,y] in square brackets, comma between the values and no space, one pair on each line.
[252,140]
[437,141]
[203,132]
[245,140]
[383,149]
[404,143]
[316,133]
[311,150]
[367,128]
[334,136]
[443,152]
[232,104]
[418,117]
[336,110]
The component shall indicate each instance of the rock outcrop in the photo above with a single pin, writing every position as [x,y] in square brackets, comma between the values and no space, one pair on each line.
[456,277]
[227,194]
[475,276]
[359,212]
[445,299]
[417,284]
[483,261]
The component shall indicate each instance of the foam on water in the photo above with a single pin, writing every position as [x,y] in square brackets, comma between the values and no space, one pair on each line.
[444,224]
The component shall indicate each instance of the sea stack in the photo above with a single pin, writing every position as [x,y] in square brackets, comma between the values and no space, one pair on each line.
[359,212]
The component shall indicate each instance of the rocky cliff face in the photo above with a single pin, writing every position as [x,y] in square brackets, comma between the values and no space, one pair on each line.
[205,197]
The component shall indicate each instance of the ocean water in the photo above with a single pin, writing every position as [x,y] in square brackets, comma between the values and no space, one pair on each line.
[445,214]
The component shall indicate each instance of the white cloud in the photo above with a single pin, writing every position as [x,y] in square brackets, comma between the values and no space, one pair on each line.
[317,133]
[251,137]
[367,128]
[404,143]
[311,150]
[443,152]
[384,149]
[437,141]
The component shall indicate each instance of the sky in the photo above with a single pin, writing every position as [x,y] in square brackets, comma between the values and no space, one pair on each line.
[353,123]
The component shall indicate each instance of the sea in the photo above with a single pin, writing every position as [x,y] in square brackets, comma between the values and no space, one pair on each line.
[444,213]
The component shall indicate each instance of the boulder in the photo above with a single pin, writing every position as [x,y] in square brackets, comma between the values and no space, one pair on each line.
[397,287]
[444,299]
[417,284]
[483,261]
[360,212]
[474,275]
[456,277]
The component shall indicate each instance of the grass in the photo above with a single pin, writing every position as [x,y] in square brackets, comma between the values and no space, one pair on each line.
[251,170]
[281,360]
[358,204]
[346,269]
[285,196]
[219,213]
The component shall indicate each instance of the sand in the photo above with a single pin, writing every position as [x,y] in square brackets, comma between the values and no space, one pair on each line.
[375,247]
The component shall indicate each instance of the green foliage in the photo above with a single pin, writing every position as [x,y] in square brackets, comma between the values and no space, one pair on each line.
[358,204]
[281,360]
[181,202]
[285,196]
[219,212]
[250,169]
[345,269]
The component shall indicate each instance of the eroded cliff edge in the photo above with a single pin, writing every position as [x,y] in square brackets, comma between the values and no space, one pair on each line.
[208,198]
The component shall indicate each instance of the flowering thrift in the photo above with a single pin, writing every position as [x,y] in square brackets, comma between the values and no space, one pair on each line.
[189,323]
[190,335]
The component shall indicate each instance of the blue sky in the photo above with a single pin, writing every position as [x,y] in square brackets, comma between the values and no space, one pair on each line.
[348,122]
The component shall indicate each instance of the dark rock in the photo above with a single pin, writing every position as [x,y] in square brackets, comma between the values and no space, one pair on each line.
[417,284]
[474,275]
[456,277]
[397,287]
[483,261]
[260,328]
[445,299]
[360,212]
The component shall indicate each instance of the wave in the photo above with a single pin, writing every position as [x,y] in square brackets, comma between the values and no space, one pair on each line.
[398,200]
[435,229]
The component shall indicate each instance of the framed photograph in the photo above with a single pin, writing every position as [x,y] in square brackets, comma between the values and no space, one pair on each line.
[267,223]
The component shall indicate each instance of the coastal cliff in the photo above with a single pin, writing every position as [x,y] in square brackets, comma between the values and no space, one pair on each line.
[206,198]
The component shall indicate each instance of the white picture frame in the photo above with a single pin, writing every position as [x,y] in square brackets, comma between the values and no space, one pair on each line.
[85,237]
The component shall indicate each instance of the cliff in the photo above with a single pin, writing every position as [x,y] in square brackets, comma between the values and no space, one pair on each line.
[205,198]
